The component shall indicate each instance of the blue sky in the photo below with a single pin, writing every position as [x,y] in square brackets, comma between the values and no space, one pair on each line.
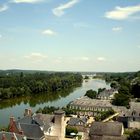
[70,35]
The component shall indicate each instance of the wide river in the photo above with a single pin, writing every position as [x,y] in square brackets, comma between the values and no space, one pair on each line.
[16,107]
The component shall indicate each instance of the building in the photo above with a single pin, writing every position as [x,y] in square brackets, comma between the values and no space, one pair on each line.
[131,117]
[107,94]
[106,131]
[11,136]
[78,123]
[86,104]
[39,126]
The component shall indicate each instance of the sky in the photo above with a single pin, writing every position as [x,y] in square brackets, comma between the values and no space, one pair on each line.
[70,35]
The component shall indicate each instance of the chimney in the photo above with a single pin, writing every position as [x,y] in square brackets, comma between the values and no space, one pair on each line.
[26,113]
[12,119]
[13,137]
[3,137]
[30,112]
[12,125]
[21,132]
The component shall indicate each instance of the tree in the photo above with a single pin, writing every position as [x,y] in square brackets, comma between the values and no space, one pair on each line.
[135,135]
[70,130]
[136,90]
[86,77]
[91,94]
[124,90]
[101,89]
[121,100]
[114,85]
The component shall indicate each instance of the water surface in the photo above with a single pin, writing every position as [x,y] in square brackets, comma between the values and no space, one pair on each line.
[16,107]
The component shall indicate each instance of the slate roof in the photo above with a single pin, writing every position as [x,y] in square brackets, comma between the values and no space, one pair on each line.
[107,93]
[107,138]
[9,135]
[108,128]
[32,131]
[44,117]
[75,121]
[87,102]
[26,119]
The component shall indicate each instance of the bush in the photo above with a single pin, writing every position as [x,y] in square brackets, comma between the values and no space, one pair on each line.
[135,135]
[91,94]
[70,130]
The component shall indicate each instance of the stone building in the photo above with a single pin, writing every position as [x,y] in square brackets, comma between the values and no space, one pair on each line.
[131,117]
[39,126]
[107,94]
[106,131]
[86,104]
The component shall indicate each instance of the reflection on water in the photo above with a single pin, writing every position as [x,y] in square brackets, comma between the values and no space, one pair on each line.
[16,106]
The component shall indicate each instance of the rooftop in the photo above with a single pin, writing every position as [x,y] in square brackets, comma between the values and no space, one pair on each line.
[85,101]
[108,129]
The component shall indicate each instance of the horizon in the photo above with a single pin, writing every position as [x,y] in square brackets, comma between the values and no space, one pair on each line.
[69,71]
[70,35]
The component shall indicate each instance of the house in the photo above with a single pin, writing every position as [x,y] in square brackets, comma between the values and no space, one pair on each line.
[106,131]
[131,117]
[107,94]
[85,104]
[11,136]
[39,126]
[78,123]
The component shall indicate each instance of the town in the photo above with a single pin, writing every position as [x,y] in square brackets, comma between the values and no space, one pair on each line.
[84,118]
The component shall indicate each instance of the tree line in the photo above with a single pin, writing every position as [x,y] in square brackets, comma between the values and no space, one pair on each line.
[128,85]
[23,84]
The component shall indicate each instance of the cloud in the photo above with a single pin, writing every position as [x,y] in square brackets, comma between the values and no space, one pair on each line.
[84,58]
[3,7]
[36,57]
[117,29]
[0,36]
[101,59]
[27,1]
[138,47]
[59,11]
[121,13]
[49,32]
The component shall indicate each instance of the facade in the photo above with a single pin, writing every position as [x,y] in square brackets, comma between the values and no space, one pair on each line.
[92,106]
[106,131]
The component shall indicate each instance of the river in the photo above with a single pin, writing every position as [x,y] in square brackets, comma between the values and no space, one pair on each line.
[16,107]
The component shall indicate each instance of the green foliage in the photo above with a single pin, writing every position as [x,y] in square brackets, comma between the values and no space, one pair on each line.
[101,89]
[91,94]
[103,115]
[86,77]
[4,128]
[136,89]
[47,110]
[114,85]
[121,100]
[135,135]
[124,90]
[69,111]
[16,85]
[70,130]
